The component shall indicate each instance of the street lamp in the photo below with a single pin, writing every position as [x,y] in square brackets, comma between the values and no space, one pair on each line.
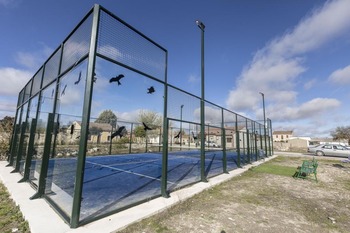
[201,27]
[181,124]
[263,99]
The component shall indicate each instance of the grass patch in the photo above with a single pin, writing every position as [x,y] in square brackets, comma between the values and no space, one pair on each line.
[275,169]
[11,217]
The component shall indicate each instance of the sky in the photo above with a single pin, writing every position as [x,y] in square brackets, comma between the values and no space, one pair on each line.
[296,52]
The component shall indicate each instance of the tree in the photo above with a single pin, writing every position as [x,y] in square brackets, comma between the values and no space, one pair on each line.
[151,119]
[6,125]
[107,116]
[341,132]
[139,131]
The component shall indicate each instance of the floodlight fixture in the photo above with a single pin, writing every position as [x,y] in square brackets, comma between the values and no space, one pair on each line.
[200,25]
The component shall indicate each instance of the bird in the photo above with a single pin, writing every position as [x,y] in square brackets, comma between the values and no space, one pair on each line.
[64,90]
[120,132]
[151,90]
[178,135]
[76,82]
[145,127]
[71,129]
[117,79]
[194,137]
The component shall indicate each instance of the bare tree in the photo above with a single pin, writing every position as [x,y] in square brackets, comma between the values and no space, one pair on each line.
[341,132]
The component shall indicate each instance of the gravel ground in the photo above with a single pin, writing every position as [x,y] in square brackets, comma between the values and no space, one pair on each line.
[265,202]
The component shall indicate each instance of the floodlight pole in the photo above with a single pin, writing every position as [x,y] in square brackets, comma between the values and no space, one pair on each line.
[263,100]
[203,177]
[181,107]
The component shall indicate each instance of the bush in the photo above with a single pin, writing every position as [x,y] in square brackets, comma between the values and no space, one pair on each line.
[6,125]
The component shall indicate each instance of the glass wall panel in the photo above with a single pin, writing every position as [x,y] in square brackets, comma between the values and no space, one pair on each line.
[213,137]
[46,105]
[242,136]
[213,151]
[183,154]
[22,137]
[37,82]
[66,137]
[20,97]
[33,106]
[230,139]
[52,68]
[27,91]
[123,163]
[17,134]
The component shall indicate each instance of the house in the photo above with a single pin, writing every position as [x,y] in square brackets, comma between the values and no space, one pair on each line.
[215,135]
[299,142]
[98,132]
[282,135]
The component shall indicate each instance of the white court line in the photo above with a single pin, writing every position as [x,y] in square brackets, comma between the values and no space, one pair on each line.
[150,161]
[130,172]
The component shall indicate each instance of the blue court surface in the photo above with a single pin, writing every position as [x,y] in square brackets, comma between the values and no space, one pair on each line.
[113,182]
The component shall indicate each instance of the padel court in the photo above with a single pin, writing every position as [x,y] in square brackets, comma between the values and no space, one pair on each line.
[99,129]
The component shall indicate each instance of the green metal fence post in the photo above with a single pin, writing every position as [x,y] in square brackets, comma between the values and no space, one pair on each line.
[248,144]
[164,180]
[260,138]
[130,141]
[255,143]
[75,216]
[271,137]
[238,144]
[223,143]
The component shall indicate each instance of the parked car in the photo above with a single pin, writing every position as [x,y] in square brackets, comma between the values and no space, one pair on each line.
[331,150]
[211,144]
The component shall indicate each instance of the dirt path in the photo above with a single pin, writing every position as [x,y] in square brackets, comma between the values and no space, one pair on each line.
[262,201]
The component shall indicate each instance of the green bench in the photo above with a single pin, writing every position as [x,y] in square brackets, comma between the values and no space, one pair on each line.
[309,167]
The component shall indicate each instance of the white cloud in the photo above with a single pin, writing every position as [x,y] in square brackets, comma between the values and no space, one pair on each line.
[14,80]
[309,84]
[33,60]
[311,32]
[306,110]
[341,76]
[275,68]
[27,59]
[7,106]
[193,78]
